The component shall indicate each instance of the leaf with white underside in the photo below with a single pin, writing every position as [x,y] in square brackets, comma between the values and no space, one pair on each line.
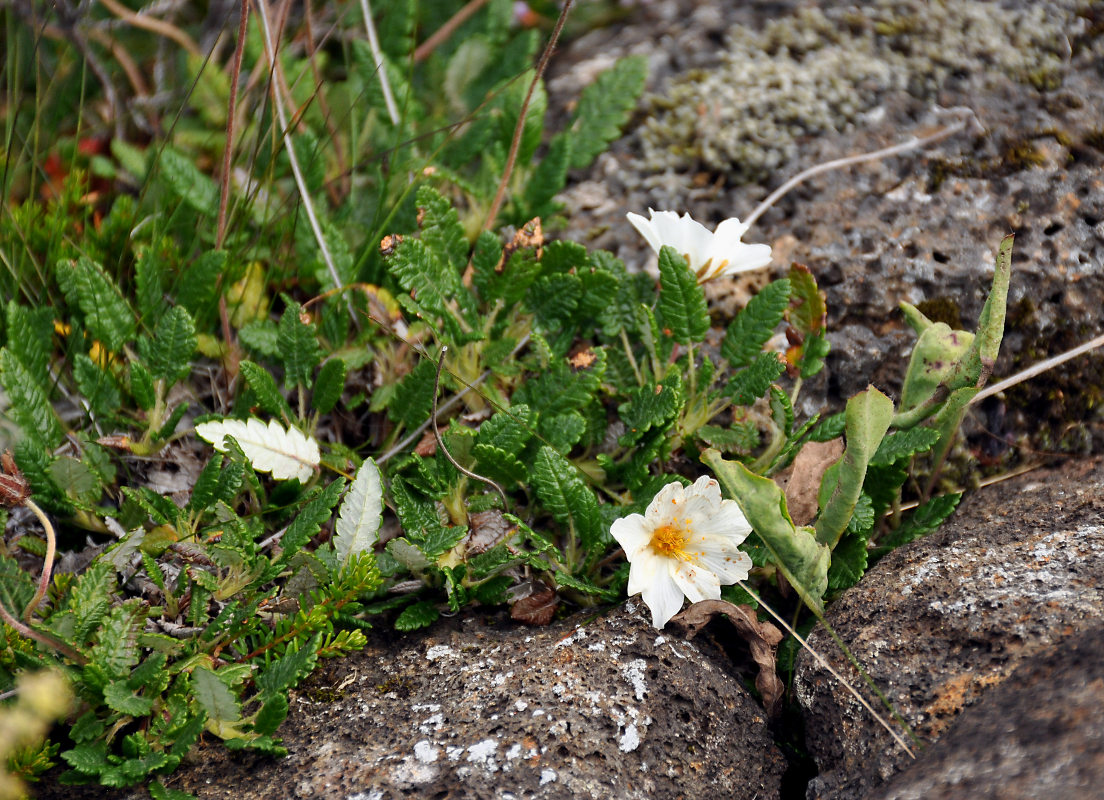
[358,521]
[269,448]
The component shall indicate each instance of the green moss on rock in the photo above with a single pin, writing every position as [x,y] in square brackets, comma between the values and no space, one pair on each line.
[819,70]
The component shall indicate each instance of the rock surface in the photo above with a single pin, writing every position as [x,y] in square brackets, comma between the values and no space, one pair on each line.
[598,706]
[1039,734]
[941,623]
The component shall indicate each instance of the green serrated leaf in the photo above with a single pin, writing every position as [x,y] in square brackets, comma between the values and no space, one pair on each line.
[562,431]
[442,233]
[751,383]
[328,386]
[30,407]
[309,521]
[499,465]
[604,108]
[553,299]
[16,586]
[571,502]
[432,281]
[264,386]
[419,615]
[116,648]
[286,672]
[107,317]
[199,283]
[849,562]
[272,713]
[509,429]
[560,388]
[924,520]
[214,696]
[413,400]
[262,337]
[547,179]
[89,758]
[168,352]
[27,332]
[682,306]
[741,437]
[120,697]
[904,444]
[299,348]
[755,324]
[185,180]
[97,385]
[141,386]
[648,407]
[580,584]
[203,490]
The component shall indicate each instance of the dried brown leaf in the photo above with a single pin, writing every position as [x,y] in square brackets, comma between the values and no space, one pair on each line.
[805,476]
[762,639]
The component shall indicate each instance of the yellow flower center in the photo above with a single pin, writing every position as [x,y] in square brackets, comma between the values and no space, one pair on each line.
[669,540]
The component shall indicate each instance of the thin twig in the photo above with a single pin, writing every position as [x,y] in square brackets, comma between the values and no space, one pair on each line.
[446,406]
[441,442]
[515,144]
[381,65]
[231,111]
[831,670]
[154,25]
[285,134]
[912,144]
[1037,369]
[422,51]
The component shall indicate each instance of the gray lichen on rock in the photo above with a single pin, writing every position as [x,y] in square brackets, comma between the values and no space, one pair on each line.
[820,70]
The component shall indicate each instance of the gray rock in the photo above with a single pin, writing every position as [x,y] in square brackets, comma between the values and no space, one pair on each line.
[599,706]
[1038,734]
[940,623]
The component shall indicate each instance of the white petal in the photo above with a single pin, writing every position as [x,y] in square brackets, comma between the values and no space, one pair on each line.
[632,533]
[728,521]
[729,567]
[689,237]
[696,582]
[749,257]
[663,505]
[663,597]
[729,232]
[643,571]
[708,488]
[646,229]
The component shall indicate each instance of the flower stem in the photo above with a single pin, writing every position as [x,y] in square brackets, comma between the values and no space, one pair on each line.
[632,359]
[913,143]
[515,144]
[47,560]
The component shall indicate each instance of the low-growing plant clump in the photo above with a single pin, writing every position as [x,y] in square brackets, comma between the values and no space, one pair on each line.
[350,382]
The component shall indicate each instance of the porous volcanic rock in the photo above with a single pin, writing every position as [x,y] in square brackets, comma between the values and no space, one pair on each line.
[940,623]
[1039,734]
[599,706]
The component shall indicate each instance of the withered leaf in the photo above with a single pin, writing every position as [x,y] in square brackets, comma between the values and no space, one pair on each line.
[805,476]
[536,608]
[762,639]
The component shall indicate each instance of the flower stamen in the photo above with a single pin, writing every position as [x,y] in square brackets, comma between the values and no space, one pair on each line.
[669,540]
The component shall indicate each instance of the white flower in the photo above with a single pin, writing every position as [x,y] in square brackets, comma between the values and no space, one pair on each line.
[685,545]
[710,253]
